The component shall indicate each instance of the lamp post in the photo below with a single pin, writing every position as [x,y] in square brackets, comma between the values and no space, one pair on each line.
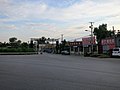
[91,38]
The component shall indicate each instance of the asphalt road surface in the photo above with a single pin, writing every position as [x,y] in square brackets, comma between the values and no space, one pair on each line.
[58,72]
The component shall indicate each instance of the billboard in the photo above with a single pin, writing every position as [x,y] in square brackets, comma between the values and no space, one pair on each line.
[88,41]
[108,41]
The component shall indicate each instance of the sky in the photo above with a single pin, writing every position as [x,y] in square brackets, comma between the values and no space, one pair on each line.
[27,19]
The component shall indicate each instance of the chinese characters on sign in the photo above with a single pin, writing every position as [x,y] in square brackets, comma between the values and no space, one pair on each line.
[88,41]
[107,41]
[110,43]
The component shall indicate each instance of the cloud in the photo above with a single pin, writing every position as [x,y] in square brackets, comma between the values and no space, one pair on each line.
[69,18]
[8,27]
[82,10]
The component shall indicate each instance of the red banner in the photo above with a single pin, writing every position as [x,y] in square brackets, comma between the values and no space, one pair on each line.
[88,40]
[108,41]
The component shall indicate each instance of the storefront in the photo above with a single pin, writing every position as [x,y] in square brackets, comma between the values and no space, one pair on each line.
[108,44]
[76,47]
[89,44]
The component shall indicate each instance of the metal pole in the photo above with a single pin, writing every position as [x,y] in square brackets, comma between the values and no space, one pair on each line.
[114,36]
[91,26]
[61,37]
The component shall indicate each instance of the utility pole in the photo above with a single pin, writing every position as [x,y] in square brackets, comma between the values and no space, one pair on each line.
[114,36]
[61,37]
[113,31]
[91,26]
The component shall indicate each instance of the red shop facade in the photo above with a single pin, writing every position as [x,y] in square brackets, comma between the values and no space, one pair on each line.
[108,44]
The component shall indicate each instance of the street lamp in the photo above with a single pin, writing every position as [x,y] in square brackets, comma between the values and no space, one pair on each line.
[91,40]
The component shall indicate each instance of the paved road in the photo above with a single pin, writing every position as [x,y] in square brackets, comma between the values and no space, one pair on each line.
[58,72]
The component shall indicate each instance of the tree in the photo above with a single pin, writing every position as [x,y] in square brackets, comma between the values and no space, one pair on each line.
[62,45]
[18,43]
[24,45]
[31,45]
[101,33]
[5,44]
[41,40]
[57,47]
[118,33]
[12,40]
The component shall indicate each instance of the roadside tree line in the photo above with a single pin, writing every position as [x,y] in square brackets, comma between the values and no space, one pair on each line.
[15,45]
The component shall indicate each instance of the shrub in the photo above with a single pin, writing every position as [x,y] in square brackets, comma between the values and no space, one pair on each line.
[16,50]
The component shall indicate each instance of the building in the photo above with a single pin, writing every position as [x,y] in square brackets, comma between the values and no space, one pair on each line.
[89,45]
[108,44]
[76,47]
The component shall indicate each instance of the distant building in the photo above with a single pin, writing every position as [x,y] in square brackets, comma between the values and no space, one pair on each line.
[107,44]
[76,47]
[89,44]
[110,43]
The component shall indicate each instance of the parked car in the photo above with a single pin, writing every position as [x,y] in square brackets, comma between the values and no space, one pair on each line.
[116,52]
[65,52]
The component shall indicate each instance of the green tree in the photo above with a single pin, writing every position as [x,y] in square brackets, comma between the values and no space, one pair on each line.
[31,45]
[18,43]
[118,33]
[62,45]
[101,33]
[42,40]
[12,40]
[3,44]
[24,45]
[57,47]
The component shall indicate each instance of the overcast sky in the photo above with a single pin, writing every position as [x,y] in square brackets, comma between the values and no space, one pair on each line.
[26,19]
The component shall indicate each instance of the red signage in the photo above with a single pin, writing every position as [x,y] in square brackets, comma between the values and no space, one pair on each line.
[88,40]
[108,41]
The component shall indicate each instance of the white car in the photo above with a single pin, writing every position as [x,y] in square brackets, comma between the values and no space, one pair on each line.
[65,52]
[116,52]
